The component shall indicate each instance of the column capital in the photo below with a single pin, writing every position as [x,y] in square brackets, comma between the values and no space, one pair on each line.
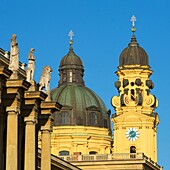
[12,112]
[13,95]
[31,107]
[45,122]
[46,130]
[30,122]
[31,96]
[45,118]
[14,84]
[50,107]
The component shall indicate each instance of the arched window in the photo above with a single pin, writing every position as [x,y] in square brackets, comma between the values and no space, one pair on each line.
[65,118]
[64,153]
[92,153]
[132,152]
[132,149]
[92,119]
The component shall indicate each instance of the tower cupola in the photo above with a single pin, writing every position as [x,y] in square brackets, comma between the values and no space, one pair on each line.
[133,54]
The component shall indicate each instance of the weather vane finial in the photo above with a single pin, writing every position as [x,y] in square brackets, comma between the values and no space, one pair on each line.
[133,19]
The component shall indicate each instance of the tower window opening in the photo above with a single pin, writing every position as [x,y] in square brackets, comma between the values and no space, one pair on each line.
[70,76]
[132,83]
[77,77]
[133,95]
[63,77]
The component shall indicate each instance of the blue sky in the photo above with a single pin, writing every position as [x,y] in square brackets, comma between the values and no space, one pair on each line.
[102,30]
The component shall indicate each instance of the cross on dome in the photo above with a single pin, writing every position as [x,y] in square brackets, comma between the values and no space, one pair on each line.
[71,34]
[133,19]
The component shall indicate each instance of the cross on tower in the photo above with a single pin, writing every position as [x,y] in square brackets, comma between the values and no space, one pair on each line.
[71,34]
[133,19]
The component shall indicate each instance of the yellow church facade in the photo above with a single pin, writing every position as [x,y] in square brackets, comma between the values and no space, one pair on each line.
[133,143]
[69,127]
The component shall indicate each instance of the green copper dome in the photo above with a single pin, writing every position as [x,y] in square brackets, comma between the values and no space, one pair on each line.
[133,54]
[81,106]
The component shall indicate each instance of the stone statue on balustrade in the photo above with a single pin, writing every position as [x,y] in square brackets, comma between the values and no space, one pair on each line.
[14,54]
[31,65]
[45,81]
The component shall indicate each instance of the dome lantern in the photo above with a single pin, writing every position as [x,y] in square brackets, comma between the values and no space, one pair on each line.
[71,67]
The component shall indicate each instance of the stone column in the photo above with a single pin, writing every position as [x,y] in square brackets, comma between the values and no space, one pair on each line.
[31,111]
[2,142]
[4,74]
[47,108]
[30,149]
[46,149]
[2,139]
[15,90]
[12,141]
[21,142]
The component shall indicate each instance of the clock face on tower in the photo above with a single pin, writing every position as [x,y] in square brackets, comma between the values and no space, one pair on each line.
[132,134]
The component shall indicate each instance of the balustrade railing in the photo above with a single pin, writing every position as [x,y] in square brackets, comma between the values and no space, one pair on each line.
[114,156]
[103,157]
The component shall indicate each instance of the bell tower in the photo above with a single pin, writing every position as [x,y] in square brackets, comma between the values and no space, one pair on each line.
[135,120]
